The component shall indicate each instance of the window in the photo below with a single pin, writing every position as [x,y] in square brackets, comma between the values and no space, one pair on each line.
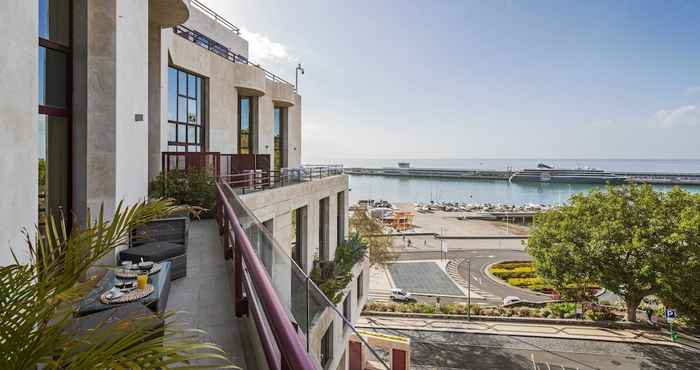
[185,112]
[299,236]
[54,123]
[246,125]
[323,230]
[279,137]
[327,346]
[347,308]
[360,285]
[340,215]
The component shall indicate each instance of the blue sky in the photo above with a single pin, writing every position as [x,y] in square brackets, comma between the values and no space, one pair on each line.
[490,79]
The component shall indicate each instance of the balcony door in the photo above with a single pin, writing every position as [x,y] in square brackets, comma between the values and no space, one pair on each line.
[247,125]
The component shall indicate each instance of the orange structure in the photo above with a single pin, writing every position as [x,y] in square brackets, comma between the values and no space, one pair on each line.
[400,220]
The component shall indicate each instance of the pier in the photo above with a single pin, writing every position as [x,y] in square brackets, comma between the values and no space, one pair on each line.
[655,178]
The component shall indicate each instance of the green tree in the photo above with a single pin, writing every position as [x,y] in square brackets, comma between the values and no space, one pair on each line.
[679,263]
[371,231]
[38,299]
[614,238]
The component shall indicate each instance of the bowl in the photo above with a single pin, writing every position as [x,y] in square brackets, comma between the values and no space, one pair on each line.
[146,265]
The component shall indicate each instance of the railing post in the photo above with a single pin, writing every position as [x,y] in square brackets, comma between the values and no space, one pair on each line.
[240,305]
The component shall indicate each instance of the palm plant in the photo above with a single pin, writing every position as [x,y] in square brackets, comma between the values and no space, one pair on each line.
[37,300]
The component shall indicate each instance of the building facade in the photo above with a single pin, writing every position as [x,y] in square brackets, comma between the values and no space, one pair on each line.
[95,91]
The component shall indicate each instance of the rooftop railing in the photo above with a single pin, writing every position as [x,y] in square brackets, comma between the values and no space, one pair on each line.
[216,17]
[288,309]
[223,51]
[251,181]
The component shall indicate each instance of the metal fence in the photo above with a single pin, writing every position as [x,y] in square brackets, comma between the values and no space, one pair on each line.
[223,51]
[251,181]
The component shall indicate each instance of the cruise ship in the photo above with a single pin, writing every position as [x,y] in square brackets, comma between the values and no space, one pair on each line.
[546,173]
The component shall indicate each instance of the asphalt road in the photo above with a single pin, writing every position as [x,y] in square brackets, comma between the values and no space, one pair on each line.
[442,350]
[480,259]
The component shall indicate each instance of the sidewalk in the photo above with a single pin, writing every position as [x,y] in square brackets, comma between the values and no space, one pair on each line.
[524,329]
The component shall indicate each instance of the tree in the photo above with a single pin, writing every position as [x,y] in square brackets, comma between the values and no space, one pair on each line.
[613,238]
[679,264]
[371,231]
[38,299]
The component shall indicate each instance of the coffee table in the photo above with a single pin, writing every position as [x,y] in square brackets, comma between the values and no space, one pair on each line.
[156,301]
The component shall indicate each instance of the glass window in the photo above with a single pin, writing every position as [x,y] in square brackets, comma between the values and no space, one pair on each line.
[278,132]
[182,83]
[53,82]
[185,111]
[54,156]
[244,125]
[182,109]
[172,94]
[191,86]
[54,21]
[192,111]
[172,131]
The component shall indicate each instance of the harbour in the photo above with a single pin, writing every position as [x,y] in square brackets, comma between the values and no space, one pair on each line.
[640,177]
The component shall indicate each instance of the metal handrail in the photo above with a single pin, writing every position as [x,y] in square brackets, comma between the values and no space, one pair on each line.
[255,180]
[285,336]
[214,15]
[223,51]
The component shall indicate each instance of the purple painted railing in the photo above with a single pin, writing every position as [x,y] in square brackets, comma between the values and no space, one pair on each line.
[250,275]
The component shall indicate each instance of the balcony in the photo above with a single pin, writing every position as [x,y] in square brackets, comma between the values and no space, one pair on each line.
[266,297]
[224,52]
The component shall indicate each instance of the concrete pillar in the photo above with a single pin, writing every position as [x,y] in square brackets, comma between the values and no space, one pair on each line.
[110,105]
[157,98]
[294,134]
[18,123]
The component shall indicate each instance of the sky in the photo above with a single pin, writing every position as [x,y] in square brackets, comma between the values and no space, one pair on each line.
[485,79]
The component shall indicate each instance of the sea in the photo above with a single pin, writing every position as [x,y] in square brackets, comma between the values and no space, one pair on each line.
[412,190]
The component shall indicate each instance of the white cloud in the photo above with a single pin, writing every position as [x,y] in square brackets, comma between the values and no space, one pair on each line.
[687,115]
[693,90]
[262,49]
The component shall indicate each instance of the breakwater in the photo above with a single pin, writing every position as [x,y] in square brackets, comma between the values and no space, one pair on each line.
[655,178]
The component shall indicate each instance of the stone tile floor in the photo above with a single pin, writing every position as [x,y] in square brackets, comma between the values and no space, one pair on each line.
[203,298]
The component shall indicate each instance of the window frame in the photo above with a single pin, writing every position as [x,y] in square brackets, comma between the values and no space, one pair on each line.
[60,111]
[184,127]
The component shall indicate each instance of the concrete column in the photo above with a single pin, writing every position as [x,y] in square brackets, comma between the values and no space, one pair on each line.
[294,134]
[157,99]
[18,122]
[110,105]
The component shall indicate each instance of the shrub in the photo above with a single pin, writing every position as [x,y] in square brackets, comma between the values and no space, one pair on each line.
[562,309]
[524,312]
[526,281]
[599,313]
[193,187]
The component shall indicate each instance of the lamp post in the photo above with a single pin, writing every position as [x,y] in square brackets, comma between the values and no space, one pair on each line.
[296,82]
[469,289]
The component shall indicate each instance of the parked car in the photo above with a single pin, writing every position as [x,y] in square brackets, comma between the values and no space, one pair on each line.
[401,295]
[510,300]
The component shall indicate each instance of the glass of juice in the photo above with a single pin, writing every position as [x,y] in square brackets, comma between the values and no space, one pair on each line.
[141,280]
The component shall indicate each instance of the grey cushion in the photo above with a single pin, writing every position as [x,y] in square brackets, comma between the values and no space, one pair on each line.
[157,251]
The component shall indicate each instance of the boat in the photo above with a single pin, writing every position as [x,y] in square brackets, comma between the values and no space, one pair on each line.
[586,175]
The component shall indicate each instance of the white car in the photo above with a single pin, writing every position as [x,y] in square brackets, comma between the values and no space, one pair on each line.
[510,300]
[400,295]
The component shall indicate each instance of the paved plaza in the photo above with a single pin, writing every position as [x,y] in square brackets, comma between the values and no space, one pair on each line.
[423,277]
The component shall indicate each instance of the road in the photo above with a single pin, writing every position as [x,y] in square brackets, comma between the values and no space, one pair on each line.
[443,350]
[480,259]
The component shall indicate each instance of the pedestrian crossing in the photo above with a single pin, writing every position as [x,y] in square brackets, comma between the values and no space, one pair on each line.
[376,295]
[452,269]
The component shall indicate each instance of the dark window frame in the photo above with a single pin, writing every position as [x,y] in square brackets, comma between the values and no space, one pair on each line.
[252,125]
[200,129]
[323,229]
[62,111]
[360,285]
[280,140]
[326,352]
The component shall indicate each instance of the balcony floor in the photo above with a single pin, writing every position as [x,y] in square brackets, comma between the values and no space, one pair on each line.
[205,294]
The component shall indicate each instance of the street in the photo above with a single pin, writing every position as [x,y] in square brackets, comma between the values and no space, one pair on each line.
[445,350]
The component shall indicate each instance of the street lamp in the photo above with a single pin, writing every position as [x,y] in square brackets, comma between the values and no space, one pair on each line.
[469,289]
[296,82]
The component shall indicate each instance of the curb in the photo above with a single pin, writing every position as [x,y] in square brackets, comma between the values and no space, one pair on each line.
[512,319]
[534,335]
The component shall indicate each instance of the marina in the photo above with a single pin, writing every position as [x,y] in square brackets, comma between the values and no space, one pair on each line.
[566,176]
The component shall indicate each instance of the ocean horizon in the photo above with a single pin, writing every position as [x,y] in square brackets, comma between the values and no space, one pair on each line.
[612,164]
[413,189]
